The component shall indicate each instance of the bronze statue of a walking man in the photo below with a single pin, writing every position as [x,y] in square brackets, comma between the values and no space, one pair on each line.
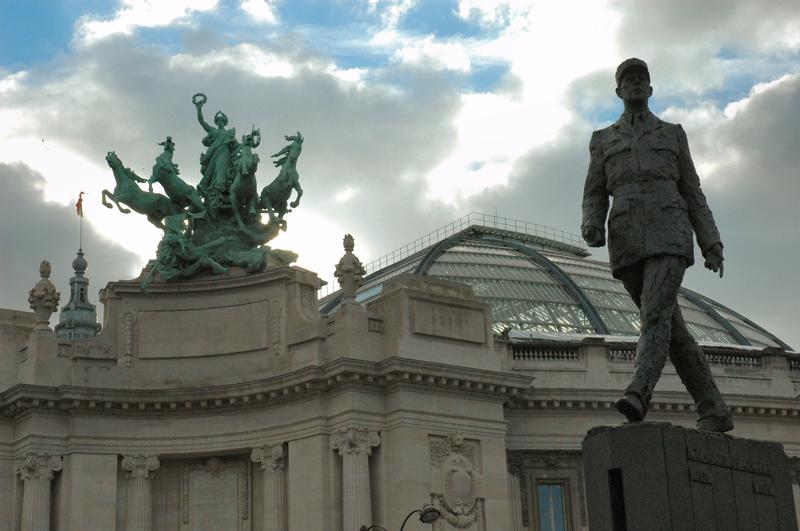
[644,163]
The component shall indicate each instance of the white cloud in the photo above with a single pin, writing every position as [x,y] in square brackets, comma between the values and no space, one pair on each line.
[246,57]
[545,46]
[430,53]
[261,10]
[13,81]
[139,13]
[733,108]
[345,195]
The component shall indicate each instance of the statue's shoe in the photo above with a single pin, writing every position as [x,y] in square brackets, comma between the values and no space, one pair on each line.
[630,406]
[716,423]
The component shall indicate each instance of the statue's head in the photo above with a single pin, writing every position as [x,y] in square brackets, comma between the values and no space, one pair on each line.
[168,144]
[633,81]
[220,119]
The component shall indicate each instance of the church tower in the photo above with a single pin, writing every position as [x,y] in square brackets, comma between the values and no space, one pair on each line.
[78,319]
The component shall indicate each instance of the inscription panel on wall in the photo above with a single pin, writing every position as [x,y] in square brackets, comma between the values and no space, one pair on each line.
[215,496]
[206,332]
[447,321]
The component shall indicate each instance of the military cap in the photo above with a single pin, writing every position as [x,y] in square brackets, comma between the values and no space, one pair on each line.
[630,63]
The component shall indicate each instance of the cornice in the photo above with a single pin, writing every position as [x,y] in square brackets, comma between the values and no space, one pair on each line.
[302,384]
[596,400]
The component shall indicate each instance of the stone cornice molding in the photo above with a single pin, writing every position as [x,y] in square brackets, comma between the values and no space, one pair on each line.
[355,441]
[288,273]
[309,381]
[270,457]
[665,402]
[140,466]
[38,466]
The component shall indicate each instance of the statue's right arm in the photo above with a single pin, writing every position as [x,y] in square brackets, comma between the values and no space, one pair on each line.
[595,196]
[200,119]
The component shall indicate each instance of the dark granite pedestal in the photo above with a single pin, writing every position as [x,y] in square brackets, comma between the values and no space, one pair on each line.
[653,476]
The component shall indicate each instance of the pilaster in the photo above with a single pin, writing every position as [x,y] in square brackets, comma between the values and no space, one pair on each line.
[273,465]
[355,447]
[37,471]
[139,511]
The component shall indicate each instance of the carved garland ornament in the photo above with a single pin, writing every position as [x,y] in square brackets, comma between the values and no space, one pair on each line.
[128,321]
[276,326]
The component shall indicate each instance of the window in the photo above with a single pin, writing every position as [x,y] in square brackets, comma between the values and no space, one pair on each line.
[550,505]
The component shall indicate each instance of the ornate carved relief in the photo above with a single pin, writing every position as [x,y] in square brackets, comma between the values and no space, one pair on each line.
[457,485]
[359,441]
[140,466]
[38,466]
[441,447]
[308,302]
[128,321]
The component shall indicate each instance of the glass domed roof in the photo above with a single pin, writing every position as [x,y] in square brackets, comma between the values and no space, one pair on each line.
[541,281]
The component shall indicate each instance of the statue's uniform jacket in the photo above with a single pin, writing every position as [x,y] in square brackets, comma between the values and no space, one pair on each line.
[657,197]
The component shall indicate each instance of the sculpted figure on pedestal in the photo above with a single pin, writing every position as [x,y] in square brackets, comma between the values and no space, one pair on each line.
[645,165]
[216,225]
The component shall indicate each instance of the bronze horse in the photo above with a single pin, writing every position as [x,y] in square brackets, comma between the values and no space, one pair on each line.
[155,206]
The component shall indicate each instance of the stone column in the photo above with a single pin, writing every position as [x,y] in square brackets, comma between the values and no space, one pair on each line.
[139,510]
[273,464]
[36,471]
[355,447]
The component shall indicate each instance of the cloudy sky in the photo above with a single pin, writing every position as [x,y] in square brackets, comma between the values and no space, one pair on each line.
[414,113]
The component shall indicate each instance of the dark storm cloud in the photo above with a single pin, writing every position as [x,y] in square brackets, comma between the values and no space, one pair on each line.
[32,230]
[378,139]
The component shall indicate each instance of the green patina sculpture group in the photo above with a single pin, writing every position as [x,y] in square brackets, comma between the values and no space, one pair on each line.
[217,224]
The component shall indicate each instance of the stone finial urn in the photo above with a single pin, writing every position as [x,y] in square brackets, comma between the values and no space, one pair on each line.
[44,298]
[349,271]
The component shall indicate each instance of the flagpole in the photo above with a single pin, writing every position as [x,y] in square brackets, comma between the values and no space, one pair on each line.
[80,237]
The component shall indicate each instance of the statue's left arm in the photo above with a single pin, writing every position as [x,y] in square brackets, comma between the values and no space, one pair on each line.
[699,214]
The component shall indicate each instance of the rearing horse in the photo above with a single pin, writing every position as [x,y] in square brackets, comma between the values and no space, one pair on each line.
[155,206]
[275,195]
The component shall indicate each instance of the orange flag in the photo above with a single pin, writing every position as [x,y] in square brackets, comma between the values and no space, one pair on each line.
[79,204]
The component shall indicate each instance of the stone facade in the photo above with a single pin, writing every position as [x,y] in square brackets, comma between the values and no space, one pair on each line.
[229,403]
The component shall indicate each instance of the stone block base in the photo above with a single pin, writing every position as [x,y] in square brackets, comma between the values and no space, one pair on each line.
[655,476]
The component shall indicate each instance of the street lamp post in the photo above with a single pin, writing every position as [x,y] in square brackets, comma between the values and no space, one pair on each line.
[427,515]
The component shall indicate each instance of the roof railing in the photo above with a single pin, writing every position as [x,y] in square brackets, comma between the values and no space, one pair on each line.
[462,223]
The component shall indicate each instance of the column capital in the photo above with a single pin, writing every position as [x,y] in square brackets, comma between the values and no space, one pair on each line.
[140,466]
[269,457]
[355,441]
[40,466]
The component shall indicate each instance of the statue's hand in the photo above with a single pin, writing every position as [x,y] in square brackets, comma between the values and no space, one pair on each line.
[294,204]
[594,237]
[714,259]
